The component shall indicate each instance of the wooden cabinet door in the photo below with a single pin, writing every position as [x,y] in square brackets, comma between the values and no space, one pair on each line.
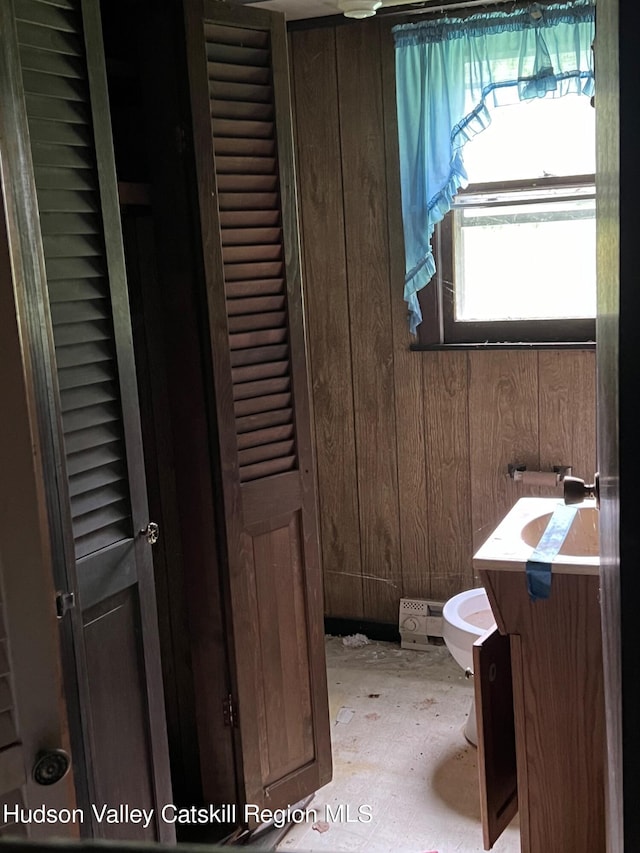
[242,137]
[61,148]
[496,734]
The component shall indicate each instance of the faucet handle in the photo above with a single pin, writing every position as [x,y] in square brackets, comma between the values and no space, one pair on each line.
[576,490]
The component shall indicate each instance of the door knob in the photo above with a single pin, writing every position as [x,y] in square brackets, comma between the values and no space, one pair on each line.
[576,490]
[50,766]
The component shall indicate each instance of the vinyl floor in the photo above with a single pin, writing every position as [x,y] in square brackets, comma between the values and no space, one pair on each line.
[405,779]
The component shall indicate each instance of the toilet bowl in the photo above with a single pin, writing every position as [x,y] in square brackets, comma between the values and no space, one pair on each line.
[466,617]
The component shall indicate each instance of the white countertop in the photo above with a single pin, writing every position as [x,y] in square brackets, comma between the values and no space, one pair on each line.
[513,542]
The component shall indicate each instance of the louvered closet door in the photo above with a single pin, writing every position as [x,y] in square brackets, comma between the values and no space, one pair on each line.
[102,486]
[243,142]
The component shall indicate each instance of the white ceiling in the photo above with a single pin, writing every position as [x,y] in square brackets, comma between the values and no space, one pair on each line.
[296,10]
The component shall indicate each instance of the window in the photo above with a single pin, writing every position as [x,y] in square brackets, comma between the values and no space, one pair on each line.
[502,76]
[516,253]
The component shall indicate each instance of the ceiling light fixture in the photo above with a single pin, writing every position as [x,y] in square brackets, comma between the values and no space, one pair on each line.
[359,8]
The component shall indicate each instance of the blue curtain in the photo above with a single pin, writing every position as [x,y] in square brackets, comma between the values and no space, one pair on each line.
[450,74]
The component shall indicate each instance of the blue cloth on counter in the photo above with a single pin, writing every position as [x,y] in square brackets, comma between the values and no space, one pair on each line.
[538,566]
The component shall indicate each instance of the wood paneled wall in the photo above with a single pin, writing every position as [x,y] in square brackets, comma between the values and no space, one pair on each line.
[412,448]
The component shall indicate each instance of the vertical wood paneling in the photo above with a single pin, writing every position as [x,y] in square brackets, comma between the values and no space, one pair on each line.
[315,89]
[407,369]
[365,211]
[567,393]
[503,428]
[409,493]
[446,420]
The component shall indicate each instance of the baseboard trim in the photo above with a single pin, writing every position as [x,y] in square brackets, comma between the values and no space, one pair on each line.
[339,627]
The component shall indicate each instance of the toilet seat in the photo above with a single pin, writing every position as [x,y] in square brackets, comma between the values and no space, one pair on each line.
[457,610]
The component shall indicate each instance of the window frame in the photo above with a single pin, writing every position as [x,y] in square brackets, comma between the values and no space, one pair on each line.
[439,327]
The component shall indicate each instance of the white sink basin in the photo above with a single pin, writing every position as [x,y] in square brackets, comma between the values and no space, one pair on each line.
[514,540]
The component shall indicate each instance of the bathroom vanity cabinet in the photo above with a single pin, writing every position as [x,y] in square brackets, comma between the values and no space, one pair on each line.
[540,713]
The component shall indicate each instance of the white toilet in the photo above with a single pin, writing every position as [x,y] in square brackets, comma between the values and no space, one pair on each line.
[466,617]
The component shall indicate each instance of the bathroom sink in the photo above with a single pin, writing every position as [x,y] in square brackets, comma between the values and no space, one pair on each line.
[514,540]
[582,539]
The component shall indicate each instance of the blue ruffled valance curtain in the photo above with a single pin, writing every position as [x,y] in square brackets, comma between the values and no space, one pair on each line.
[450,74]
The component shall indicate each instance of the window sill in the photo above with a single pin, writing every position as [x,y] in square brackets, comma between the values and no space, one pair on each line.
[576,345]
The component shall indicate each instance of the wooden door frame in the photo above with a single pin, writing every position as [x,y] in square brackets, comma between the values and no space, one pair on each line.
[608,273]
[618,216]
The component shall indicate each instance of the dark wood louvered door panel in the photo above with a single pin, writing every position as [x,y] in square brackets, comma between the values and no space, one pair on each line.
[243,146]
[103,489]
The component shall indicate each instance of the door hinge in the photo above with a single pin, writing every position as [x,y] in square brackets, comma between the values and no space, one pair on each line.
[64,602]
[181,139]
[229,712]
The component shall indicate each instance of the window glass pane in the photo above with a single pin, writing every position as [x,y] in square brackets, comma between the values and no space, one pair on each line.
[525,261]
[534,139]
